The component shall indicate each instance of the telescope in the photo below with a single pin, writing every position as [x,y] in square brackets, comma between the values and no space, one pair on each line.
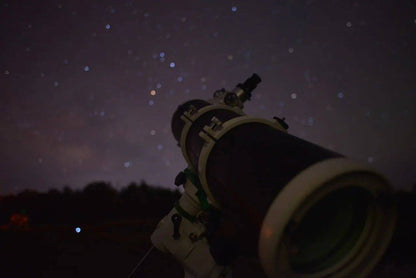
[252,189]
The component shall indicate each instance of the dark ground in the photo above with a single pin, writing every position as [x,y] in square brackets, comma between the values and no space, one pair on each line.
[112,241]
[113,250]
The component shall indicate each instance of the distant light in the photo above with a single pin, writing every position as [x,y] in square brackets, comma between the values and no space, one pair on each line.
[310,121]
[349,24]
[6,72]
[172,65]
[203,79]
[340,95]
[146,14]
[77,230]
[127,164]
[204,87]
[56,83]
[234,9]
[162,54]
[180,78]
[187,91]
[230,57]
[108,26]
[159,147]
[151,102]
[370,159]
[41,74]
[158,85]
[86,68]
[102,113]
[152,132]
[291,50]
[153,92]
[293,95]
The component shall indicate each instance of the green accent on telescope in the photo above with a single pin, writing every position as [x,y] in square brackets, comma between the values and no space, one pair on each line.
[202,196]
[184,213]
[329,230]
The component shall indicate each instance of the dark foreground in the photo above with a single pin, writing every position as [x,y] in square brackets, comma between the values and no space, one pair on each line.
[36,242]
[113,249]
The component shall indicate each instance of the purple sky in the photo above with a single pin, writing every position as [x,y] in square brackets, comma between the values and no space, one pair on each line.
[76,80]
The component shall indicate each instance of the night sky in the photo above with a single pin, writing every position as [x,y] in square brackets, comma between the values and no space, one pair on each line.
[88,88]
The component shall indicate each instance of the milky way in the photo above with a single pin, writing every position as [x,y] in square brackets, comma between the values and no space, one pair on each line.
[88,88]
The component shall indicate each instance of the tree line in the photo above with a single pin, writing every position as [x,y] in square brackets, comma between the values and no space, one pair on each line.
[97,202]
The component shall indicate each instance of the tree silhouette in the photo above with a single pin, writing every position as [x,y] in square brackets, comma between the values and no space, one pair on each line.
[98,201]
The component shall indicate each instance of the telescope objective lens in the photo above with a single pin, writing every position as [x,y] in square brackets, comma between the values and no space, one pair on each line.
[329,230]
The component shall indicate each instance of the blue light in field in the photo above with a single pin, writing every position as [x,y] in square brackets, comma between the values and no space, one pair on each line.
[310,121]
[77,230]
[172,65]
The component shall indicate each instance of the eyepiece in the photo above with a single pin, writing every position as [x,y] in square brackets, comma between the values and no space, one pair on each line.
[248,86]
[251,83]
